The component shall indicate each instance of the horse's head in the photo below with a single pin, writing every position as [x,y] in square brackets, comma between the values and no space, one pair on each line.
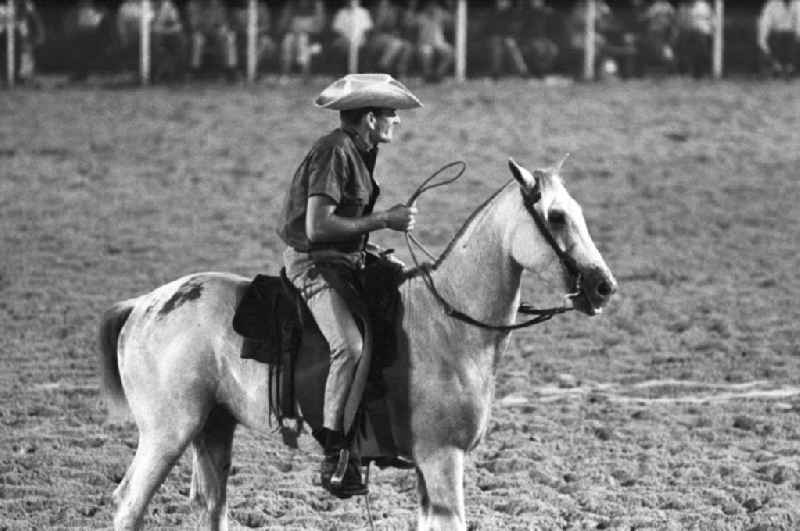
[551,230]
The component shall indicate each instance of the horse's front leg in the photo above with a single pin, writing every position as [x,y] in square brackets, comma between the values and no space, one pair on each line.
[440,486]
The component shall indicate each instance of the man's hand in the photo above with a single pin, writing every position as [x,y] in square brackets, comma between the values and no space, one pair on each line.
[401,218]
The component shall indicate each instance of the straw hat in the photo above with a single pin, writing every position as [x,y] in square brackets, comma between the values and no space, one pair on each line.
[356,91]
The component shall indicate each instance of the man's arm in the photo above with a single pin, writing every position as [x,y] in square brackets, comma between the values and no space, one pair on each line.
[323,225]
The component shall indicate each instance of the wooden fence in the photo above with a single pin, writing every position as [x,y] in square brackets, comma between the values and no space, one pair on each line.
[461,19]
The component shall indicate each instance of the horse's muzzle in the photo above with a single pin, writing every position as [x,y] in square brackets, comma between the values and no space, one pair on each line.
[594,289]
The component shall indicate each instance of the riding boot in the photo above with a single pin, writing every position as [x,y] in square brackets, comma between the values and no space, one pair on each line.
[340,472]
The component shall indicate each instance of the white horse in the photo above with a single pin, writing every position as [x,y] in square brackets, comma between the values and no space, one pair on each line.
[172,355]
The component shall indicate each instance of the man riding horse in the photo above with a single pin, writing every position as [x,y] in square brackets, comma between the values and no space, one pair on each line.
[326,219]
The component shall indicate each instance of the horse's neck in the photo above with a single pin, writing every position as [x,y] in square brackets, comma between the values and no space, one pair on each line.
[477,275]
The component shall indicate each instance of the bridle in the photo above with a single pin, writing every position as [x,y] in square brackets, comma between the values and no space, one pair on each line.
[529,199]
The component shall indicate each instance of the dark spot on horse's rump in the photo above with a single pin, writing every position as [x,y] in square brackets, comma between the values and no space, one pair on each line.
[189,291]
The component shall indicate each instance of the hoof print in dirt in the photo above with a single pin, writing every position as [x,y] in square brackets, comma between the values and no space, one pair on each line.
[743,422]
[603,433]
[250,518]
[752,504]
[625,478]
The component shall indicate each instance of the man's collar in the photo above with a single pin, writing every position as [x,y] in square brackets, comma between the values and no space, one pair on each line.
[358,140]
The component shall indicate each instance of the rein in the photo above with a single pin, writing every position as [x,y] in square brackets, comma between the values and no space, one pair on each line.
[542,315]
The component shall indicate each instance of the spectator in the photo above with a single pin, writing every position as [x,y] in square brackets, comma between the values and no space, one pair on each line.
[778,32]
[168,49]
[32,36]
[301,23]
[436,54]
[169,42]
[657,36]
[576,38]
[695,33]
[266,48]
[351,25]
[502,40]
[84,25]
[536,27]
[407,23]
[620,28]
[28,35]
[211,34]
[386,44]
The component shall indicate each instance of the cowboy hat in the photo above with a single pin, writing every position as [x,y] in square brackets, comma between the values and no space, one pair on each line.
[357,91]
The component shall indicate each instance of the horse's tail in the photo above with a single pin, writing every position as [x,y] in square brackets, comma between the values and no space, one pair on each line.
[108,338]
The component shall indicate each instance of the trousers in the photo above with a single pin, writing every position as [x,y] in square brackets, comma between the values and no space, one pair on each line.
[336,323]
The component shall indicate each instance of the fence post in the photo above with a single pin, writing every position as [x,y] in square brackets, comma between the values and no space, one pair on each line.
[352,50]
[589,41]
[461,40]
[11,64]
[144,41]
[719,35]
[252,36]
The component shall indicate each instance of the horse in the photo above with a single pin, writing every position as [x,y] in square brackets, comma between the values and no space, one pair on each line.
[172,359]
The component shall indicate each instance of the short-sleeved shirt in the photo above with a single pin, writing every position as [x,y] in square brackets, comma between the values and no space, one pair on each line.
[339,166]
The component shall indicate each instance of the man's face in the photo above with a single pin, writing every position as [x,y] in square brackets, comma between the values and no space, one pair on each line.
[384,122]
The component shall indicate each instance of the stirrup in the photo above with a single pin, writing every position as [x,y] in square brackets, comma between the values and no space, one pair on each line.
[341,468]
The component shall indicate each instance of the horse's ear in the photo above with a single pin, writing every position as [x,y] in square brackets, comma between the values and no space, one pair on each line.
[522,175]
[530,183]
[557,167]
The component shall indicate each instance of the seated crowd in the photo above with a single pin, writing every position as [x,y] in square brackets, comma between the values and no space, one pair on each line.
[191,38]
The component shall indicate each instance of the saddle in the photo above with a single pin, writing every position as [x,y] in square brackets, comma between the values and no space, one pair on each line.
[279,329]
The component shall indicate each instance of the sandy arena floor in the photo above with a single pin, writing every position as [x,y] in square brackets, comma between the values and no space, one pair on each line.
[678,408]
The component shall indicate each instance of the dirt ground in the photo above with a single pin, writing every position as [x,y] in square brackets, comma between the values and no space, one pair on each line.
[678,408]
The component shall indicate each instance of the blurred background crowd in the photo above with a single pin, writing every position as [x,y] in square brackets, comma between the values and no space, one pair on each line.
[207,38]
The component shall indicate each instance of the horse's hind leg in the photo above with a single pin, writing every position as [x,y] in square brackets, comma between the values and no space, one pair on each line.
[122,488]
[212,461]
[155,456]
[440,485]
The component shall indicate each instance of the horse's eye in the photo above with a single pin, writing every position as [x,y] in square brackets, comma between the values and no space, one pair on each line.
[557,217]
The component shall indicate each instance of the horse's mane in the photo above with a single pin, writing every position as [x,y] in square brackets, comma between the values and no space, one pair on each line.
[469,223]
[419,269]
[549,178]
